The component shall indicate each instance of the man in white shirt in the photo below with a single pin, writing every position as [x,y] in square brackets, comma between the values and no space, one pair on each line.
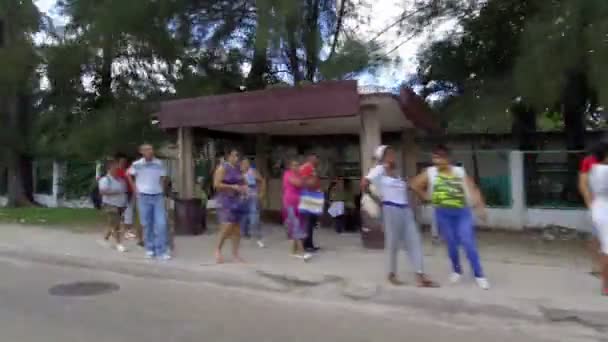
[149,184]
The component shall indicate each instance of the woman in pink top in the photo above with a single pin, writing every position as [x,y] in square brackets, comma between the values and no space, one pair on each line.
[292,182]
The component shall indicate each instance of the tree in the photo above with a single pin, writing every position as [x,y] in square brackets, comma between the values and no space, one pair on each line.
[474,65]
[561,62]
[20,20]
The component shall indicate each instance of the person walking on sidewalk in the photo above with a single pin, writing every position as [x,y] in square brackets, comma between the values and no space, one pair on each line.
[598,203]
[311,183]
[149,184]
[585,191]
[400,228]
[113,190]
[229,183]
[256,188]
[452,194]
[296,231]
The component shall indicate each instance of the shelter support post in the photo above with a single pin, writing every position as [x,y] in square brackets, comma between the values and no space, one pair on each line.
[185,180]
[370,137]
[372,235]
[262,149]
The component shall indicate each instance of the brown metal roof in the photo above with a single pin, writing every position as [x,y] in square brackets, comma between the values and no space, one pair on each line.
[323,100]
[418,111]
[331,99]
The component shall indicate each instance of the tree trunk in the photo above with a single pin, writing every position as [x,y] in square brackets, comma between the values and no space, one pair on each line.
[292,50]
[311,39]
[16,194]
[523,129]
[259,65]
[575,97]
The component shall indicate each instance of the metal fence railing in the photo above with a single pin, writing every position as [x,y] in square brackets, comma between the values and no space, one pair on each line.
[551,179]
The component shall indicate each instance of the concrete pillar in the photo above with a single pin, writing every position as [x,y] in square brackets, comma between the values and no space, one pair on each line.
[518,190]
[59,173]
[185,174]
[262,159]
[370,136]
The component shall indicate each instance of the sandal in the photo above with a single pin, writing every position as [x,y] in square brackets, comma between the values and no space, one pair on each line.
[393,280]
[424,282]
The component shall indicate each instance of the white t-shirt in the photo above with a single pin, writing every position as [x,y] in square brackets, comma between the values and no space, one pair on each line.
[114,185]
[598,181]
[148,176]
[392,190]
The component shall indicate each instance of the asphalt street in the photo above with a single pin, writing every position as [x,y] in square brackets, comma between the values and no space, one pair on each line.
[37,303]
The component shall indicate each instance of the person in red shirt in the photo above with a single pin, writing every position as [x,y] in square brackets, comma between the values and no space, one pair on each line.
[308,172]
[583,186]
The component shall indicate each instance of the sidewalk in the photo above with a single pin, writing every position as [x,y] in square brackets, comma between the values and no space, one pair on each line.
[531,279]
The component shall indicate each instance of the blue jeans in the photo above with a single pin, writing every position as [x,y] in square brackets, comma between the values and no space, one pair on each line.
[153,217]
[250,222]
[456,227]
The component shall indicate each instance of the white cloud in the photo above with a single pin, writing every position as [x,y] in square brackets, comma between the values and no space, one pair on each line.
[382,14]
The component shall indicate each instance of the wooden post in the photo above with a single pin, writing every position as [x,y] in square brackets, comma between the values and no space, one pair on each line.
[185,174]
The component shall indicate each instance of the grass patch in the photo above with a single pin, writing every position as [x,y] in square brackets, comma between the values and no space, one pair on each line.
[75,219]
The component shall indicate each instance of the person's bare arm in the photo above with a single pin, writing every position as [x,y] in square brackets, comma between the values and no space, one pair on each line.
[583,188]
[131,182]
[295,181]
[478,200]
[419,185]
[263,186]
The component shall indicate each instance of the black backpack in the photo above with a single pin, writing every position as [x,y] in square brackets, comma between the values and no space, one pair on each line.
[95,195]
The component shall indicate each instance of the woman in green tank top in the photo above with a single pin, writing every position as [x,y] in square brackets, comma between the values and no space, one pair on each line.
[452,194]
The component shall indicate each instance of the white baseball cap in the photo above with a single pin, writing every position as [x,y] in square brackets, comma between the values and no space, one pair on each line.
[379,153]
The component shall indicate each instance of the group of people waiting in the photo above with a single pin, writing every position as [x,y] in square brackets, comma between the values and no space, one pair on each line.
[240,190]
[141,185]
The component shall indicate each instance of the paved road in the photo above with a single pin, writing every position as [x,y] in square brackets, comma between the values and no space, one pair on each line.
[150,310]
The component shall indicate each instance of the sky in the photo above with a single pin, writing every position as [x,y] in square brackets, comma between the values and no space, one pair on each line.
[382,13]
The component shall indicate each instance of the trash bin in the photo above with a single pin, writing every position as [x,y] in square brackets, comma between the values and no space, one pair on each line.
[190,217]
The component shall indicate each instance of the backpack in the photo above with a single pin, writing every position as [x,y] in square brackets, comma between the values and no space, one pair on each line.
[95,195]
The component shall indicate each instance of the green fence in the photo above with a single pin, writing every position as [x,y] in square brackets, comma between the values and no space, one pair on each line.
[44,176]
[551,179]
[3,181]
[79,179]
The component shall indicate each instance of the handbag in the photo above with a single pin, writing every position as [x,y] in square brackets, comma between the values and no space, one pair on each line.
[370,206]
[311,202]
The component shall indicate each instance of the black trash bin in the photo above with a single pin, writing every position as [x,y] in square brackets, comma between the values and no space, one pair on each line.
[190,217]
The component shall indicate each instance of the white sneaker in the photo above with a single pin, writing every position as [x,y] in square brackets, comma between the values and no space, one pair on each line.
[455,277]
[149,255]
[165,257]
[483,283]
[306,256]
[121,248]
[261,244]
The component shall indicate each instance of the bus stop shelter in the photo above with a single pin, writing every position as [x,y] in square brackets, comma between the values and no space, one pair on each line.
[322,109]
